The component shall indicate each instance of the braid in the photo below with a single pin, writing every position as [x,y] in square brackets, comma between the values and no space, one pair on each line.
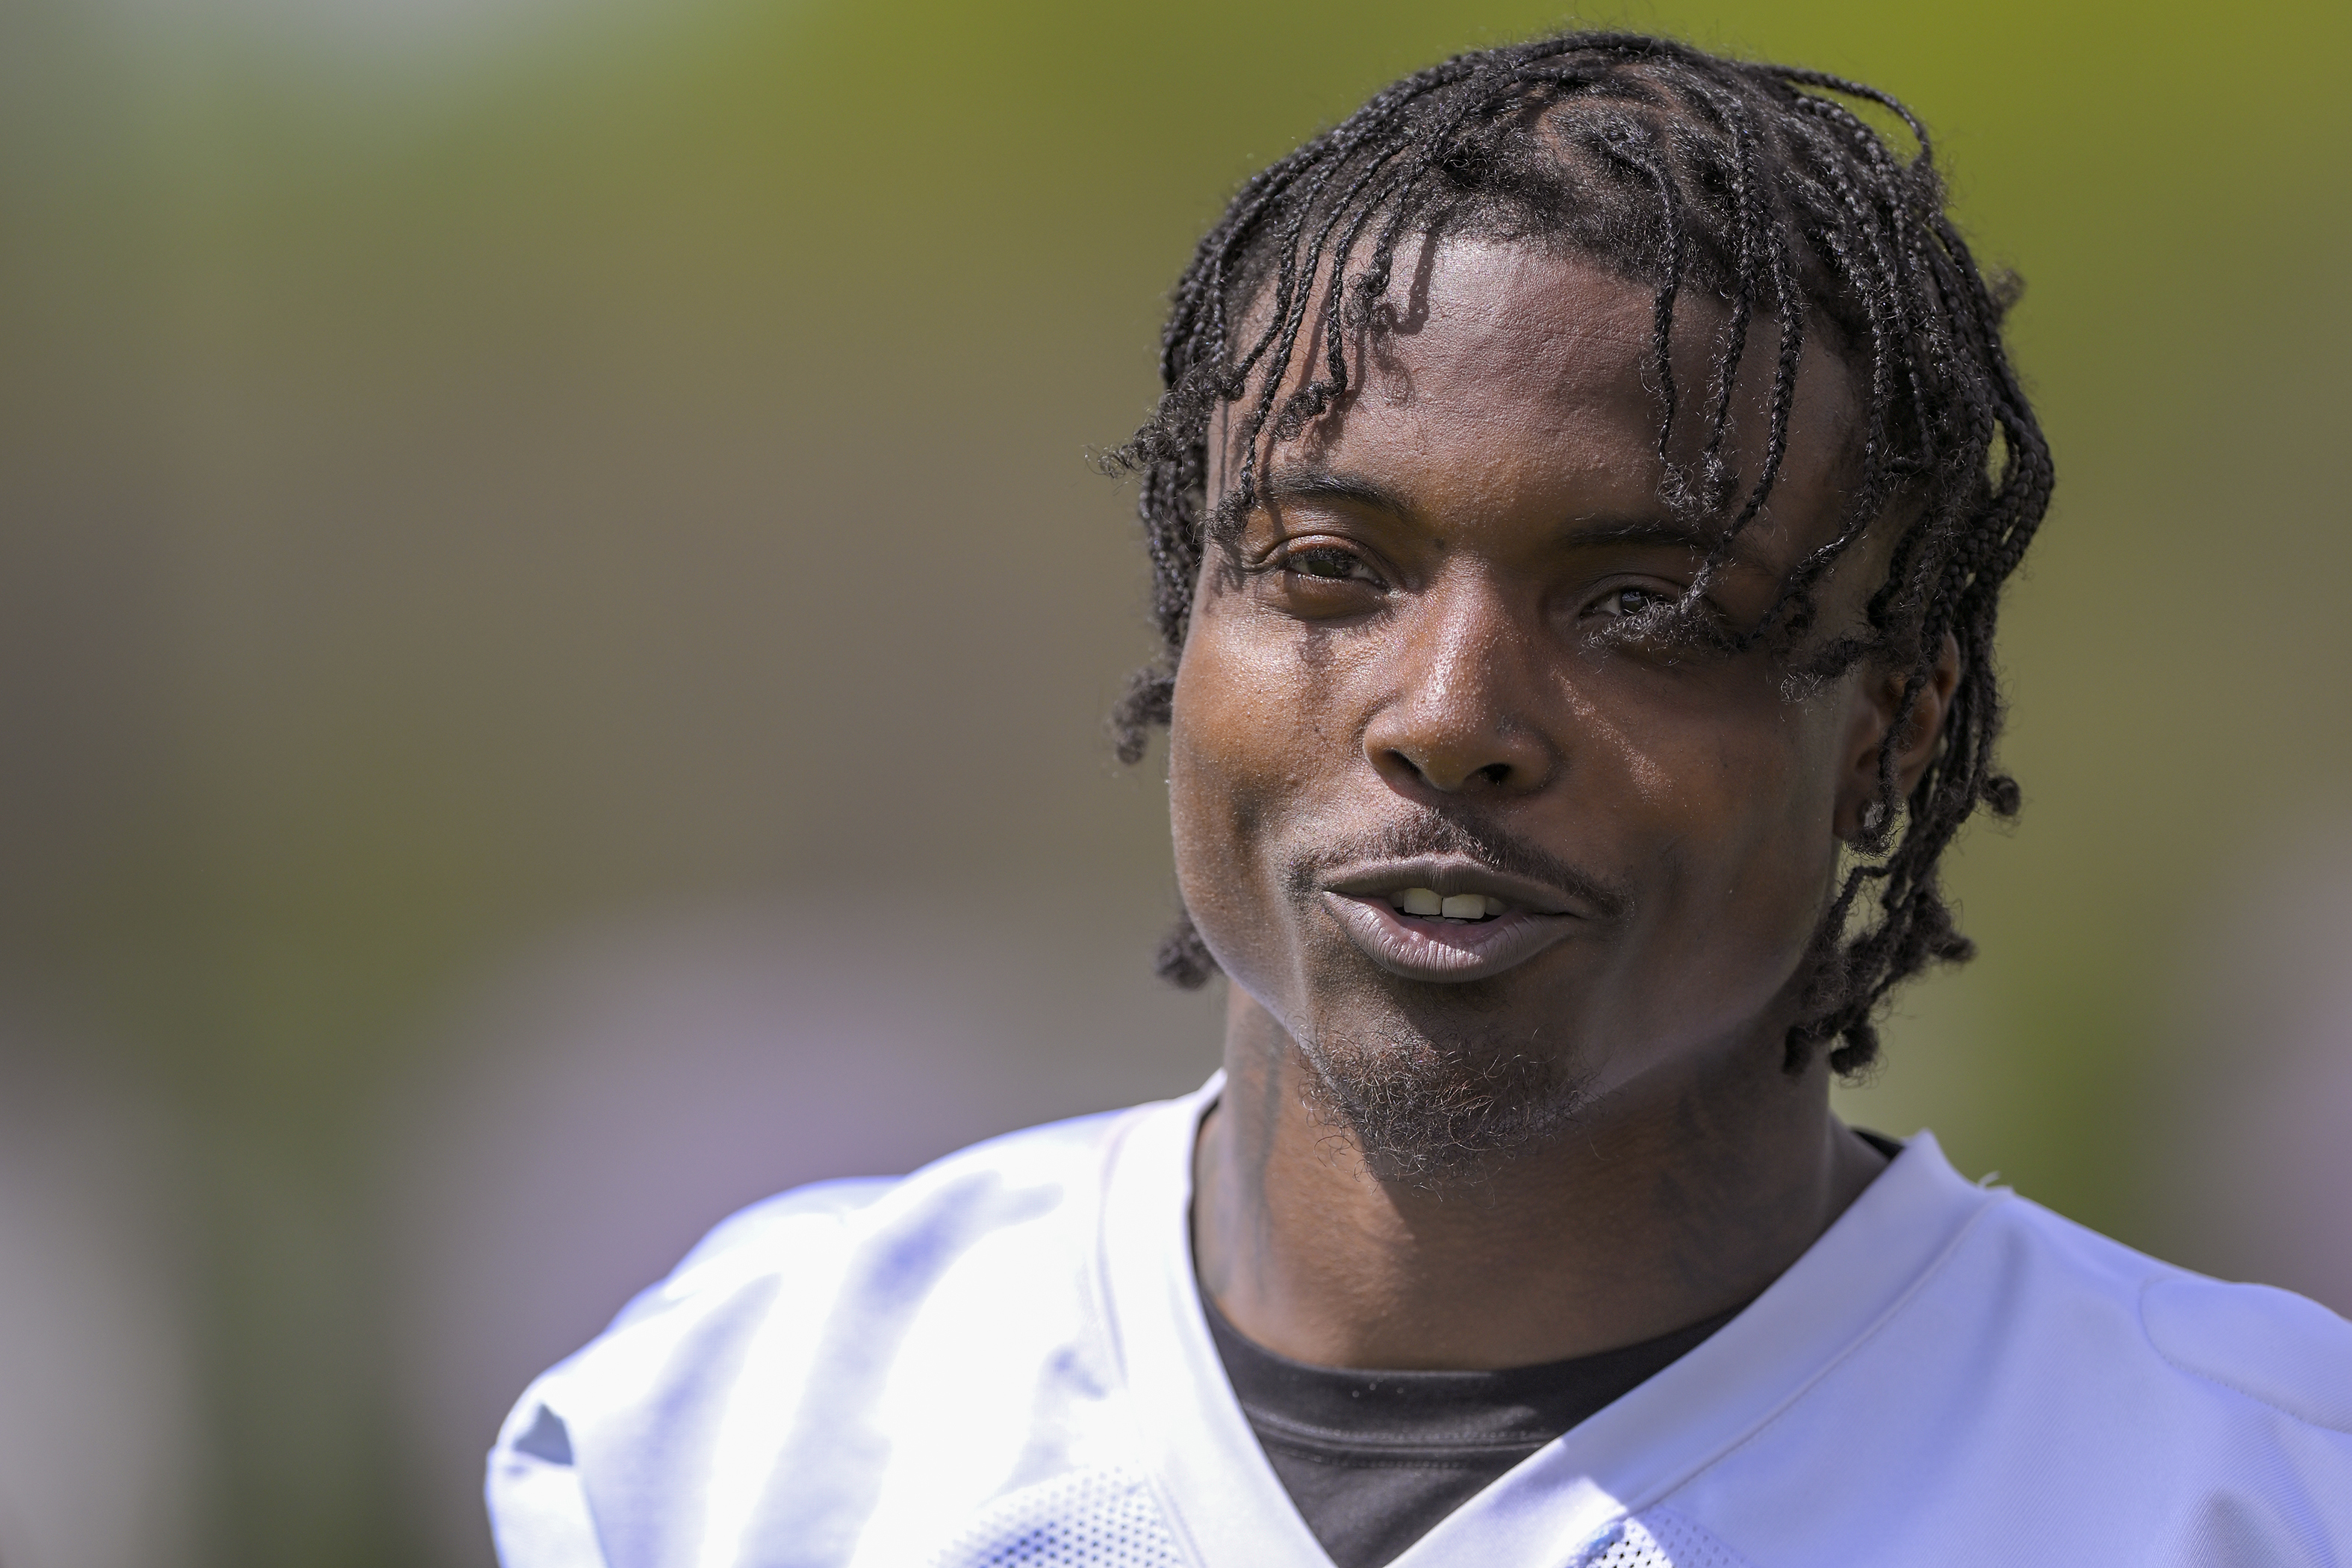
[1759,185]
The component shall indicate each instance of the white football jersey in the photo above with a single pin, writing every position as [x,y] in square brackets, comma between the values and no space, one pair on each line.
[1001,1362]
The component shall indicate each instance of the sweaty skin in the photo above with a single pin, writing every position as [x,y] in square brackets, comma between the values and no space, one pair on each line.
[1412,629]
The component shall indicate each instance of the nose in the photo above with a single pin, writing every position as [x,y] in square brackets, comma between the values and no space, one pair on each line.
[1461,714]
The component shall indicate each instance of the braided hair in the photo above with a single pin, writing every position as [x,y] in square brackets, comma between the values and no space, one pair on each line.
[1690,174]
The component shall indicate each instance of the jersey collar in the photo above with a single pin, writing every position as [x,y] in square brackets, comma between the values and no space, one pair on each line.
[1222,1497]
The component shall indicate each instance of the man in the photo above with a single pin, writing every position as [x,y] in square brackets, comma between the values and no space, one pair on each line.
[1579,511]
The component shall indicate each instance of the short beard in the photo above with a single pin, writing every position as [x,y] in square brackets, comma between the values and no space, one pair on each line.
[1437,1117]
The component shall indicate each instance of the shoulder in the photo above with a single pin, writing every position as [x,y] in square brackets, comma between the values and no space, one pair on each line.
[811,1298]
[2234,1345]
[786,1260]
[2037,1392]
[2135,1411]
[800,1241]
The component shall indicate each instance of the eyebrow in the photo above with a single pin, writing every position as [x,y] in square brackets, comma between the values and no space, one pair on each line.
[1313,484]
[1323,484]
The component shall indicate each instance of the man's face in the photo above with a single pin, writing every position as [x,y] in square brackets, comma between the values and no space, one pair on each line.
[1400,687]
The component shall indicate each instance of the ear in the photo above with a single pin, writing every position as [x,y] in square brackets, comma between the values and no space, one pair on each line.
[1877,703]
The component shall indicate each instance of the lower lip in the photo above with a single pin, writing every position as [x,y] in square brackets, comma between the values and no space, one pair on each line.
[1442,950]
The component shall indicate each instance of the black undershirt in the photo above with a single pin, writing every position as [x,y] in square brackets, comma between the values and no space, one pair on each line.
[1373,1459]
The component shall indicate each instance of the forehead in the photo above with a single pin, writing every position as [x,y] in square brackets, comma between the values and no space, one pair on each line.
[1482,320]
[1499,367]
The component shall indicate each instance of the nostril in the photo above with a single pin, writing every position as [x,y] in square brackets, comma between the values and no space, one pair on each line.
[1495,772]
[1413,769]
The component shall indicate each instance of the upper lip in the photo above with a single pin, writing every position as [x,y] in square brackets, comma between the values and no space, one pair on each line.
[1446,874]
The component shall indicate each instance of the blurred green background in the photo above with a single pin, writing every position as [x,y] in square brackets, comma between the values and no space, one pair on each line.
[505,502]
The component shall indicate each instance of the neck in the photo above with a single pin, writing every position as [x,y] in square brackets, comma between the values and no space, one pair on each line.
[1673,1198]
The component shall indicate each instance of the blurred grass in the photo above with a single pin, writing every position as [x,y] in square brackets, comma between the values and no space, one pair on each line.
[637,456]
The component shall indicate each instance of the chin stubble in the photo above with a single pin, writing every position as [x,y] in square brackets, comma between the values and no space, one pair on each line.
[1437,1117]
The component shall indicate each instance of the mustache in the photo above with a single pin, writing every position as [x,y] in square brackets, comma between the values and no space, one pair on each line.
[1426,833]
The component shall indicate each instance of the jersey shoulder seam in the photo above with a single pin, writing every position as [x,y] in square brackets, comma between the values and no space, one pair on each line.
[2207,1374]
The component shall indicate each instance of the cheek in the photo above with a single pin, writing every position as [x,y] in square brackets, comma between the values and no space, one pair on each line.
[1711,776]
[1711,800]
[1752,852]
[1240,747]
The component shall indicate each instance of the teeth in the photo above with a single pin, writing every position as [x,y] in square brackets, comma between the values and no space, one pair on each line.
[1424,902]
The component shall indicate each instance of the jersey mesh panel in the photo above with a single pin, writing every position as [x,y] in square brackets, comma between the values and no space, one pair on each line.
[1659,1539]
[1088,1519]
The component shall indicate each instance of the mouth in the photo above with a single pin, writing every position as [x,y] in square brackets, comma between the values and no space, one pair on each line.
[1450,919]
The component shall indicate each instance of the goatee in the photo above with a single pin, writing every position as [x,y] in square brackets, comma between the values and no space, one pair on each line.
[1437,1117]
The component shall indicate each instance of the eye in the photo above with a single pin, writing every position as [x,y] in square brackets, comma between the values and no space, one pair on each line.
[1320,578]
[1328,563]
[1630,600]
